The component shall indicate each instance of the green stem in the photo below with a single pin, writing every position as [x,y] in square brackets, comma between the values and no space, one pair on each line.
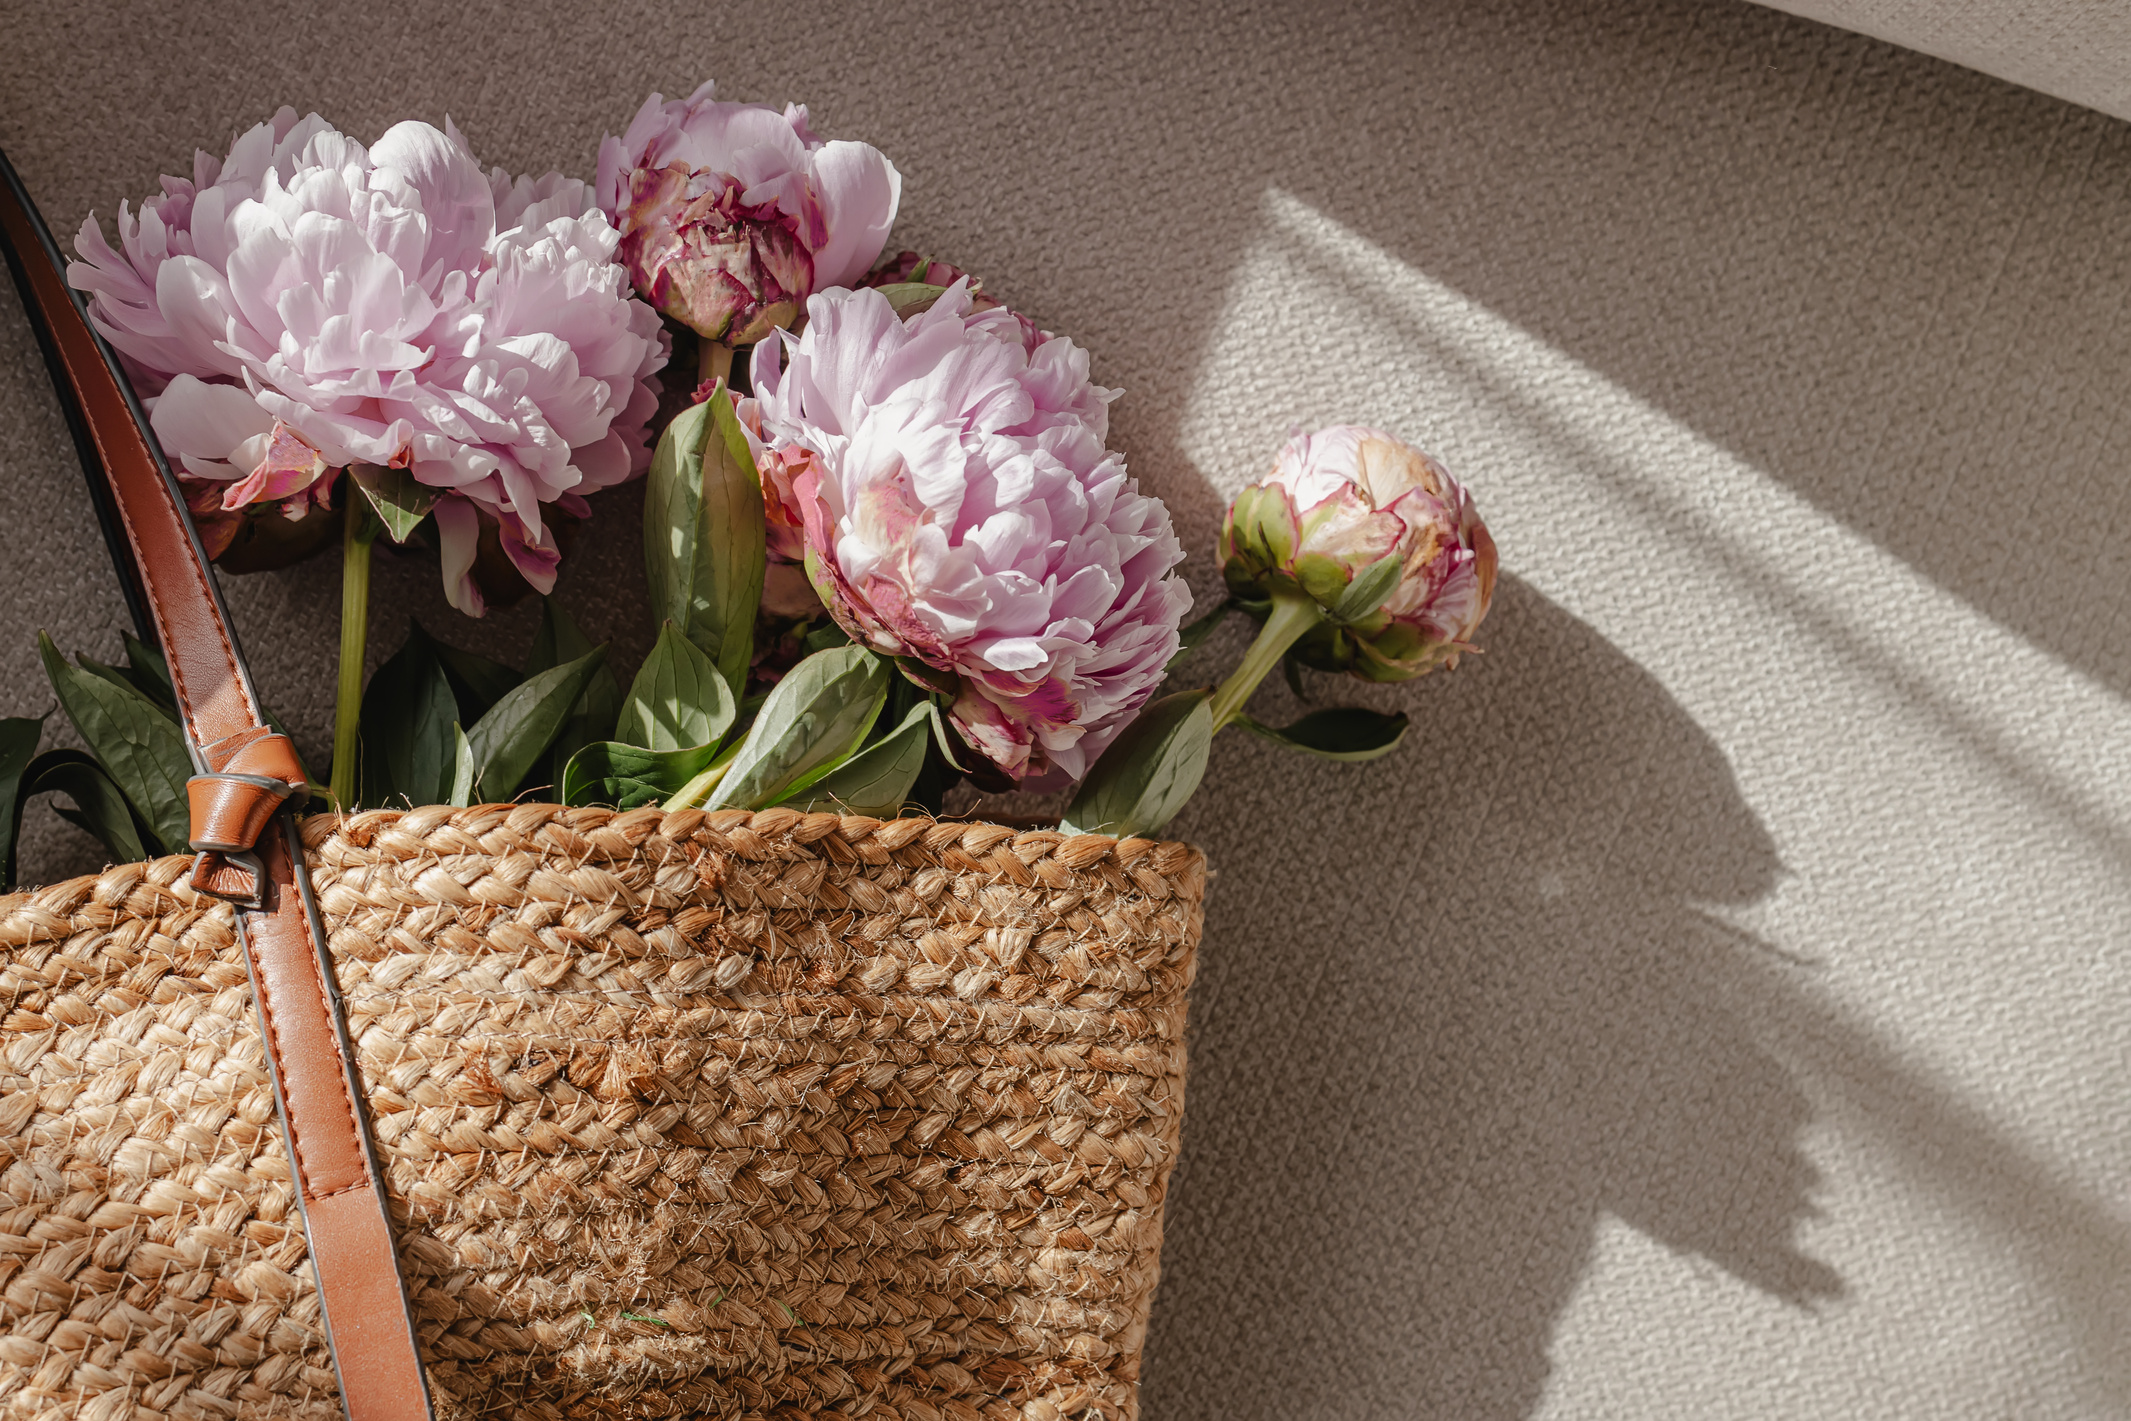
[356,537]
[714,360]
[1293,614]
[698,789]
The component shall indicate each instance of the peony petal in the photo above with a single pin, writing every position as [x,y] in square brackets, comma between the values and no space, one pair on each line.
[859,191]
[196,418]
[458,541]
[287,467]
[454,193]
[535,561]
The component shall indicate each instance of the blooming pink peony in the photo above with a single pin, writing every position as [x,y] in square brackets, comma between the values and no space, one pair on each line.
[731,214]
[959,509]
[307,303]
[1338,501]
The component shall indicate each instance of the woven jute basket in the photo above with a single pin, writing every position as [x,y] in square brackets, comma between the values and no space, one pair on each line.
[725,1115]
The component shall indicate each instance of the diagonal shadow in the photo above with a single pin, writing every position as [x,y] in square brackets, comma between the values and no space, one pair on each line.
[1429,1058]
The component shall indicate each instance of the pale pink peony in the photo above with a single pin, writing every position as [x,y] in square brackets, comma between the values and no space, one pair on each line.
[960,509]
[731,214]
[308,303]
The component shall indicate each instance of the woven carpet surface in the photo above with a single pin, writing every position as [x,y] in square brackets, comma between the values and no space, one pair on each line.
[1719,1008]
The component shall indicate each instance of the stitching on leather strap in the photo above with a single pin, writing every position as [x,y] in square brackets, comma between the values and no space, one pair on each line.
[192,567]
[273,1033]
[344,1189]
[313,959]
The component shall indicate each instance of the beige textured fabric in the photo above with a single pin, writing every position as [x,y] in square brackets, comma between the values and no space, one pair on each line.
[1719,1009]
[2076,49]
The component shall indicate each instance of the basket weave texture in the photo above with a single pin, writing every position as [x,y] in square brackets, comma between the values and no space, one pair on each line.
[727,1115]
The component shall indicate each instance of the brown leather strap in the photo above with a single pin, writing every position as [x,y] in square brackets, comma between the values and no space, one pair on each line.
[247,773]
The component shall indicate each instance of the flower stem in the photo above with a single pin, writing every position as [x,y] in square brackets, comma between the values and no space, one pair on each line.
[1293,614]
[714,360]
[356,537]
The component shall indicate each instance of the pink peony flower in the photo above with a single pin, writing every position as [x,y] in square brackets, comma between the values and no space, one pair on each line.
[731,214]
[307,303]
[1338,502]
[959,509]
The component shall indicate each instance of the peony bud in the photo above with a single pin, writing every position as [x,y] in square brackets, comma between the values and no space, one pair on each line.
[1380,537]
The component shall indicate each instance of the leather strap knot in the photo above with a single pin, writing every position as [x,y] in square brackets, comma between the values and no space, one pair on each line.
[231,807]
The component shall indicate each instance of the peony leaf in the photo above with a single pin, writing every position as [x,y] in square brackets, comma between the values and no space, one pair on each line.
[399,502]
[1148,772]
[704,540]
[405,731]
[149,662]
[464,773]
[127,678]
[877,780]
[677,700]
[476,682]
[1345,733]
[592,718]
[813,721]
[1368,590]
[18,745]
[911,297]
[139,747]
[99,808]
[626,776]
[518,729]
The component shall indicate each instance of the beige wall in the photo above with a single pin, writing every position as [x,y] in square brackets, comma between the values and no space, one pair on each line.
[2076,49]
[1720,1008]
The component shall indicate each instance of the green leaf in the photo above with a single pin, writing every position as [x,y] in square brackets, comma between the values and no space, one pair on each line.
[703,534]
[99,808]
[1149,772]
[464,774]
[1368,589]
[399,502]
[139,746]
[18,745]
[407,715]
[825,636]
[877,780]
[476,682]
[149,662]
[557,639]
[507,741]
[910,297]
[126,678]
[625,776]
[1344,733]
[677,700]
[592,718]
[812,722]
[1194,633]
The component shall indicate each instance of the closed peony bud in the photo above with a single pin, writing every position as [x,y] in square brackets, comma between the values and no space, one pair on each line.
[1380,537]
[732,214]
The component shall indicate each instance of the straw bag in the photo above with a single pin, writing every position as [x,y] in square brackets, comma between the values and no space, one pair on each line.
[566,1112]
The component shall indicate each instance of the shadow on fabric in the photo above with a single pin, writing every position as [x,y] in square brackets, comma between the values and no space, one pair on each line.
[1430,1058]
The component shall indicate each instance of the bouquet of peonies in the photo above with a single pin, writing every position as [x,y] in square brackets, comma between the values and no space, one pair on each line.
[733,1082]
[887,542]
